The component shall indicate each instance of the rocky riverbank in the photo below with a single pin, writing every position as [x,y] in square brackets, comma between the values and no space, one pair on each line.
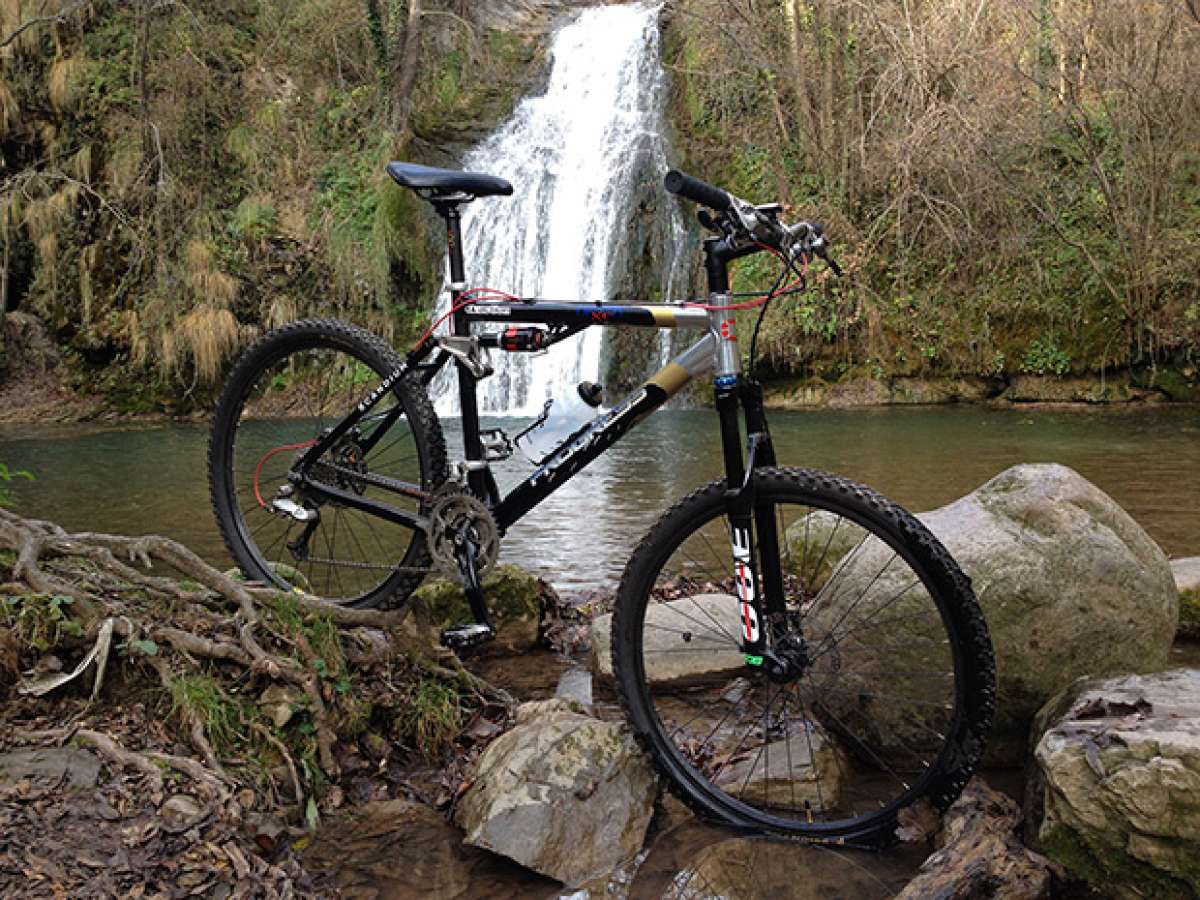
[193,732]
[38,386]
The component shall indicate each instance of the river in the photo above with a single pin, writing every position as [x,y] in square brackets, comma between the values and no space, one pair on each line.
[135,480]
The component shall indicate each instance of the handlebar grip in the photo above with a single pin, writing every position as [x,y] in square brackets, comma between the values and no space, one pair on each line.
[698,191]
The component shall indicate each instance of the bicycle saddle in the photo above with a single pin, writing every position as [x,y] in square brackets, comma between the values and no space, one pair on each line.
[427,178]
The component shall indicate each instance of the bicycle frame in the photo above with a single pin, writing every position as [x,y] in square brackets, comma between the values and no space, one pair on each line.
[716,351]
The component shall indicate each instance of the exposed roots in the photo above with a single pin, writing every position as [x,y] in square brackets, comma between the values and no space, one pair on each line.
[215,644]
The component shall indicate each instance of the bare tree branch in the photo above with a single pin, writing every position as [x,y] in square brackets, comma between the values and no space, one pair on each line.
[56,19]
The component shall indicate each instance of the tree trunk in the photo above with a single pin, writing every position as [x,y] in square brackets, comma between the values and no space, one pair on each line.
[406,71]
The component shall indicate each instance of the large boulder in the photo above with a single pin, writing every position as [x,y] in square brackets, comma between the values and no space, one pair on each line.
[515,601]
[561,793]
[1070,584]
[1117,781]
[979,853]
[1187,582]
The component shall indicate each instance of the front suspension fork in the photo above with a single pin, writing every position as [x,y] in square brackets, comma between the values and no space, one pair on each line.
[751,528]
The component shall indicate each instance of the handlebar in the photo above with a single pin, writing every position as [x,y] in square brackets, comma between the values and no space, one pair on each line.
[749,224]
[698,191]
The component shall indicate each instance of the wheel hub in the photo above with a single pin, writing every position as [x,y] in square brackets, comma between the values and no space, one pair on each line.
[350,460]
[788,660]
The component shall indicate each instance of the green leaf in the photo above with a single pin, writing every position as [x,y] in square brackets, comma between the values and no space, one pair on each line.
[145,646]
[311,816]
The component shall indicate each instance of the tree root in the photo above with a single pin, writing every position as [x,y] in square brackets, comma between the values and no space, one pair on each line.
[150,763]
[216,625]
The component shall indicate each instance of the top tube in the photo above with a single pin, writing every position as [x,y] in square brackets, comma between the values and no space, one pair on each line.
[650,315]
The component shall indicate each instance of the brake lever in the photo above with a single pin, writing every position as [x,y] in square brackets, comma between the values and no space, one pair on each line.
[832,263]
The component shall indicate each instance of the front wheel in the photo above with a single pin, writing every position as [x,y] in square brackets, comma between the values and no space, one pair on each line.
[285,392]
[888,684]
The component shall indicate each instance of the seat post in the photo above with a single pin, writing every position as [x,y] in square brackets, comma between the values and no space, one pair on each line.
[477,476]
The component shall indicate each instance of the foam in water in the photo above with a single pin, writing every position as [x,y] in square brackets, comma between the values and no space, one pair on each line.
[574,156]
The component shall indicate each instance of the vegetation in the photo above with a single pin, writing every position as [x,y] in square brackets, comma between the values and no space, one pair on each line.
[7,477]
[175,178]
[1013,185]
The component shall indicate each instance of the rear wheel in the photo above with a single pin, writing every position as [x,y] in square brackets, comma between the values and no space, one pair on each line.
[289,388]
[887,688]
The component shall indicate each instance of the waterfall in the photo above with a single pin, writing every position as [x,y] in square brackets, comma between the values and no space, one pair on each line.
[576,156]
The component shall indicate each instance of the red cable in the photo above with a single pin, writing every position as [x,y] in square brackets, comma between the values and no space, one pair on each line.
[262,462]
[472,296]
[749,304]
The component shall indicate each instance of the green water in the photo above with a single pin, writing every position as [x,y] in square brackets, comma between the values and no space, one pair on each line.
[152,479]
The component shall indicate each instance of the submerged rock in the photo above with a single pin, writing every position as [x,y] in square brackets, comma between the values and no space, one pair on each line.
[806,767]
[398,848]
[681,639]
[980,855]
[1070,584]
[515,601]
[562,793]
[1187,581]
[1118,780]
[760,868]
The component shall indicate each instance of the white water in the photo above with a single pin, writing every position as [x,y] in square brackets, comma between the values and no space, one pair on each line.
[575,156]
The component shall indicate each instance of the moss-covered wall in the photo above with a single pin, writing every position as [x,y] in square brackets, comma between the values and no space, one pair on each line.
[177,178]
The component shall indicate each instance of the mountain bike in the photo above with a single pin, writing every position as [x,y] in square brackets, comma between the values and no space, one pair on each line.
[796,653]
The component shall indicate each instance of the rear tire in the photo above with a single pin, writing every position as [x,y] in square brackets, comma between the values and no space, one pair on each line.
[286,388]
[880,726]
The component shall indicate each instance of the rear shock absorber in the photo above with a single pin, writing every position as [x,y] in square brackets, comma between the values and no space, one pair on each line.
[520,340]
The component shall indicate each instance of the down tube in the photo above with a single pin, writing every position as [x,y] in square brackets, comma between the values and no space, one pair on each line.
[604,431]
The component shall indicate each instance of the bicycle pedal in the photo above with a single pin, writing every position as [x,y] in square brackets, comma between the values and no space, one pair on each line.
[469,635]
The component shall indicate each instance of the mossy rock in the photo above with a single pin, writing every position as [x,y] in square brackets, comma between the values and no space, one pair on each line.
[1189,614]
[1117,776]
[514,600]
[1179,384]
[1187,580]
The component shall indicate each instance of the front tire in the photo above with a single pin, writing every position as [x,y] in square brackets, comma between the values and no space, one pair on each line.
[893,686]
[285,390]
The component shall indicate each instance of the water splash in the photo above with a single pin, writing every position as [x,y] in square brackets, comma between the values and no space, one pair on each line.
[576,156]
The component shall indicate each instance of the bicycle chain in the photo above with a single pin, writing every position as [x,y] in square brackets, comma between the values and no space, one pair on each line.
[382,481]
[347,564]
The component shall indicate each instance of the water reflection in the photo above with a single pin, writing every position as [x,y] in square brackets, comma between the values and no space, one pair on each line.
[153,479]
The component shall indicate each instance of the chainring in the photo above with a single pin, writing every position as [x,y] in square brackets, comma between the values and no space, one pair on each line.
[458,513]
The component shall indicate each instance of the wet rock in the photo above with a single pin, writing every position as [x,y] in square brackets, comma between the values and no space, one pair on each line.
[78,769]
[1187,581]
[181,812]
[805,767]
[1071,585]
[980,855]
[750,868]
[562,793]
[1118,779]
[398,848]
[1056,389]
[279,702]
[575,685]
[681,639]
[515,602]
